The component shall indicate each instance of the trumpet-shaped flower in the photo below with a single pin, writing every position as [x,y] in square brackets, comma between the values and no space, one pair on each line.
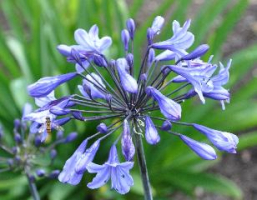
[114,170]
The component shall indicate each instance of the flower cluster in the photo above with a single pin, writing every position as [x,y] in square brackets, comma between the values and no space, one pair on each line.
[132,97]
[28,150]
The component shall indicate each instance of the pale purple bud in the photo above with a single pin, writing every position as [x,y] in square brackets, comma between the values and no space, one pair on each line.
[38,141]
[150,36]
[17,124]
[46,85]
[169,108]
[131,27]
[72,136]
[128,148]
[59,135]
[166,126]
[54,174]
[198,52]
[203,150]
[224,141]
[102,128]
[100,61]
[143,77]
[157,25]
[130,60]
[17,159]
[78,115]
[128,83]
[14,150]
[151,133]
[87,157]
[32,178]
[125,39]
[17,138]
[53,154]
[151,57]
[40,172]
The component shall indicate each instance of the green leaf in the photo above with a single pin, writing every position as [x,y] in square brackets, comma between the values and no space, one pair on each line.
[18,88]
[209,182]
[247,140]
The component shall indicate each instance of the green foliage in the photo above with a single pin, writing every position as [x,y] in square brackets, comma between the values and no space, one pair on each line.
[29,34]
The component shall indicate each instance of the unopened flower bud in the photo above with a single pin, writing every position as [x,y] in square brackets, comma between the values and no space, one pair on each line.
[53,154]
[203,150]
[151,57]
[102,128]
[78,115]
[131,27]
[125,39]
[166,125]
[198,52]
[100,61]
[40,173]
[130,60]
[54,174]
[72,136]
[128,148]
[37,141]
[17,138]
[150,36]
[14,150]
[151,134]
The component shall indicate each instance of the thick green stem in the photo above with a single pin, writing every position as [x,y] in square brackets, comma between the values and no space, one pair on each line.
[33,188]
[143,167]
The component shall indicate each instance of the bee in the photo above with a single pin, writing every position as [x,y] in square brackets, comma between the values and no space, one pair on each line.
[48,125]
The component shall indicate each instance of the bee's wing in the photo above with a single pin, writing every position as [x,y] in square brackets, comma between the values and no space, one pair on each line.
[57,127]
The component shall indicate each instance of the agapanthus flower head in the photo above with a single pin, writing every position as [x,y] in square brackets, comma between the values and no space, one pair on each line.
[26,151]
[130,97]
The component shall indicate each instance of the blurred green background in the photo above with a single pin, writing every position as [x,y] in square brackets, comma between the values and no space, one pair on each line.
[30,32]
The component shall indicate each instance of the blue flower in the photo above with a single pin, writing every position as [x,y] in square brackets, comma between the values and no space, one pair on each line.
[69,174]
[169,108]
[157,25]
[128,83]
[92,87]
[203,150]
[128,148]
[118,172]
[87,157]
[224,141]
[130,95]
[181,40]
[151,134]
[88,44]
[46,85]
[199,77]
[38,117]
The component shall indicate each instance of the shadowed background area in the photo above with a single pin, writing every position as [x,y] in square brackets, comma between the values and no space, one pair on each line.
[30,32]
